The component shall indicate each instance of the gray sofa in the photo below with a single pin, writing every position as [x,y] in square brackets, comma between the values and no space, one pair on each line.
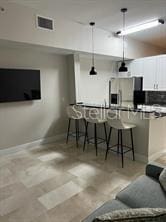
[143,192]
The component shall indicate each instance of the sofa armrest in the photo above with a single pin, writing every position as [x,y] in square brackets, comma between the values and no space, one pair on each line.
[154,170]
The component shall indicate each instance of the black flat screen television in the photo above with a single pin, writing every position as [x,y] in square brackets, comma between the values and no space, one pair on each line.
[19,85]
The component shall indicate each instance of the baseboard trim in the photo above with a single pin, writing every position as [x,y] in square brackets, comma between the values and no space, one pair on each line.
[30,145]
[141,158]
[138,157]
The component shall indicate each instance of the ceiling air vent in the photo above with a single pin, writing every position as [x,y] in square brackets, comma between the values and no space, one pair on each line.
[45,23]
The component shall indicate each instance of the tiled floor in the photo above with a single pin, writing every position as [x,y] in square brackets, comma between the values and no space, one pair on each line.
[60,183]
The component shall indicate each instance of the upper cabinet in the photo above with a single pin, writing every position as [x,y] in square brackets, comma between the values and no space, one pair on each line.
[153,70]
[161,73]
[149,73]
[136,67]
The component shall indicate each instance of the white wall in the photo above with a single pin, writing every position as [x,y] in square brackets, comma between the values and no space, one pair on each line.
[23,122]
[95,89]
[17,23]
[157,139]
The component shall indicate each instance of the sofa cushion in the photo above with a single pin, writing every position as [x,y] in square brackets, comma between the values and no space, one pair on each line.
[154,170]
[143,192]
[106,208]
[162,179]
[134,215]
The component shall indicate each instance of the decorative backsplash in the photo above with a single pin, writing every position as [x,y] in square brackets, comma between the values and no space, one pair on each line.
[156,97]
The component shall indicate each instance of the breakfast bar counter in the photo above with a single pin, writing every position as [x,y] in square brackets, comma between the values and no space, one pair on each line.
[149,134]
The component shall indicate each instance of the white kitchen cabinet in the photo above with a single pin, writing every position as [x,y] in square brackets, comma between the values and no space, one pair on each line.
[136,67]
[149,73]
[161,73]
[153,70]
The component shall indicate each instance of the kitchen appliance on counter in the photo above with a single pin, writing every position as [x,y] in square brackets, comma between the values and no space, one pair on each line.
[121,91]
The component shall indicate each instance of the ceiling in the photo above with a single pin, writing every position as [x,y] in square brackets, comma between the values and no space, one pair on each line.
[106,14]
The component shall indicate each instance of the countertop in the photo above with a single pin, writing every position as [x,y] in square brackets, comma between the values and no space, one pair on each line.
[158,111]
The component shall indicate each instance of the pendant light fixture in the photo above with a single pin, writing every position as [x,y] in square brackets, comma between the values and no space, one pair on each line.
[93,71]
[123,67]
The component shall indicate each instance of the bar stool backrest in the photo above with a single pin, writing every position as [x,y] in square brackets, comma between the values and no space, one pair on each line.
[75,112]
[114,120]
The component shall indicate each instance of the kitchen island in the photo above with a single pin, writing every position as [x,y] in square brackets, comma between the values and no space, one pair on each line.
[149,134]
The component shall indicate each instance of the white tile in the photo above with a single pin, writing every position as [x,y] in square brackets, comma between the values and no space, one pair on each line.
[36,174]
[52,156]
[6,177]
[59,195]
[85,171]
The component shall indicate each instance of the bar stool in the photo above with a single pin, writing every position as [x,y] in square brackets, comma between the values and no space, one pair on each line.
[75,113]
[95,118]
[115,122]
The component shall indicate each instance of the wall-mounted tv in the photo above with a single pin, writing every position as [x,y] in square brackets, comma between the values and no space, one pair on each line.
[19,85]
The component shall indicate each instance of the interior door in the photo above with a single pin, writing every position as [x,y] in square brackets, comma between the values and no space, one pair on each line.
[161,73]
[149,73]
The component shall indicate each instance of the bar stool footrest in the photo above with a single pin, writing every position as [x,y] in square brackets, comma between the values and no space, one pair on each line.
[100,140]
[115,151]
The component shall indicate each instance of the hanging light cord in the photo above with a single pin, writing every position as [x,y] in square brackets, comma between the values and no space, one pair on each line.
[93,57]
[93,71]
[123,67]
[124,23]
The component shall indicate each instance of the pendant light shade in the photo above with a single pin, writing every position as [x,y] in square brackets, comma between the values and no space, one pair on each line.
[123,67]
[93,71]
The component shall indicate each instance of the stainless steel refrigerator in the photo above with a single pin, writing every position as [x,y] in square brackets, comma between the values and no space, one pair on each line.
[121,91]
